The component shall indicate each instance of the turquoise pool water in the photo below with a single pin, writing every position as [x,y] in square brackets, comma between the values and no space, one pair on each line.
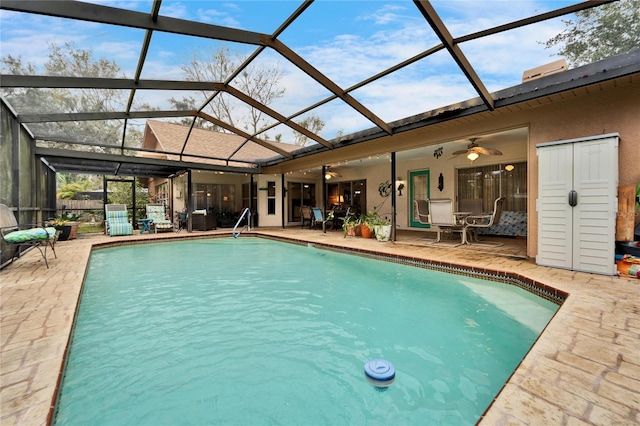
[252,331]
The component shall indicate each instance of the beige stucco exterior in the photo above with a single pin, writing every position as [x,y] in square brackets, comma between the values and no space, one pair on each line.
[610,107]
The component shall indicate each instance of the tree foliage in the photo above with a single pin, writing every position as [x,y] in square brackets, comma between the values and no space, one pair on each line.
[67,60]
[599,32]
[68,191]
[312,123]
[259,83]
[120,193]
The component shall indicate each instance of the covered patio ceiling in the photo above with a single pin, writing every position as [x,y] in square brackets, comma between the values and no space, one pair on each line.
[371,85]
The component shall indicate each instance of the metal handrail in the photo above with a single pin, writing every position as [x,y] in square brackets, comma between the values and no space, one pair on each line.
[246,212]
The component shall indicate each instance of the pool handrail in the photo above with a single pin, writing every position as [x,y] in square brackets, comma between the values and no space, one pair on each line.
[246,212]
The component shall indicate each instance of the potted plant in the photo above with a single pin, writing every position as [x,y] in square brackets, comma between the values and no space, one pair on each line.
[368,221]
[73,221]
[380,228]
[63,226]
[352,226]
[383,230]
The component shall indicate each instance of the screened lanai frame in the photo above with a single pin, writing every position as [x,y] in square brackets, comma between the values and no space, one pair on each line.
[331,87]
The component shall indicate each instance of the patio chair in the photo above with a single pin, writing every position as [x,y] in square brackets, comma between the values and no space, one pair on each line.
[441,214]
[422,209]
[340,213]
[318,218]
[30,236]
[157,213]
[117,220]
[181,221]
[305,214]
[484,221]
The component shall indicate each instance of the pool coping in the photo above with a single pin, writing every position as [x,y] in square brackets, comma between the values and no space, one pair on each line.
[584,367]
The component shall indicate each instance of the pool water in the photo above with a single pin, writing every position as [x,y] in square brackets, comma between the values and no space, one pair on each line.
[253,331]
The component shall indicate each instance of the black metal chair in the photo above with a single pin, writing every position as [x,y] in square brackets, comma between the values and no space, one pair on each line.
[31,236]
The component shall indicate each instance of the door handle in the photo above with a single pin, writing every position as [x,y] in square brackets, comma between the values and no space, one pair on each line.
[573,198]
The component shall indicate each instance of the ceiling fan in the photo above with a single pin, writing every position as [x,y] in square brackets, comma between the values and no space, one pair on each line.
[328,174]
[474,150]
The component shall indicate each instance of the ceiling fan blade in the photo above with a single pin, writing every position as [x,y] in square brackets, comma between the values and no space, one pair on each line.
[487,151]
[462,151]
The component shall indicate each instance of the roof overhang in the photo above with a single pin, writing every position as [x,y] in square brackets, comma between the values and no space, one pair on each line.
[615,68]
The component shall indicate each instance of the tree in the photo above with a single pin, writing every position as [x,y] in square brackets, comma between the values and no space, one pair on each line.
[120,193]
[68,191]
[260,83]
[67,60]
[312,123]
[599,32]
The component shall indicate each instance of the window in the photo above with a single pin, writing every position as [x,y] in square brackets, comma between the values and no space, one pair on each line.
[215,198]
[162,194]
[352,193]
[271,198]
[478,187]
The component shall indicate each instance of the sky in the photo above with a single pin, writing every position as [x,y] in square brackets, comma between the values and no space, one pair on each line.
[348,41]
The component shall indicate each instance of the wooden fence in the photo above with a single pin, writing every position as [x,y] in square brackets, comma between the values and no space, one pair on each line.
[90,210]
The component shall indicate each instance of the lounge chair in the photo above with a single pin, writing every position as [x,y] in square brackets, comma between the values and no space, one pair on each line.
[157,214]
[31,236]
[441,214]
[117,220]
[484,221]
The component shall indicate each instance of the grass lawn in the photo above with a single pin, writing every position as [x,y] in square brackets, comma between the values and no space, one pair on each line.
[88,228]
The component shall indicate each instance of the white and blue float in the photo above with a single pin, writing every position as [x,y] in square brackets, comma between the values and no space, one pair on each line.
[380,372]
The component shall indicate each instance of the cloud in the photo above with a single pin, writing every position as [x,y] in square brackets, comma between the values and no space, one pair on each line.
[358,44]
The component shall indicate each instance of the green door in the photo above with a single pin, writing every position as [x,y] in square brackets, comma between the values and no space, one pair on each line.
[418,190]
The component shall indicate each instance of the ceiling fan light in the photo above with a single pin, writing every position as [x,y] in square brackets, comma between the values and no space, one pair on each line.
[473,156]
[327,176]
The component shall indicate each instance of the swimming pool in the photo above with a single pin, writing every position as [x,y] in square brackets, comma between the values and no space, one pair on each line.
[252,331]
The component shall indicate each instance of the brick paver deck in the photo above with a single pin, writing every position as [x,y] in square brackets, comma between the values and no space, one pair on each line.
[584,368]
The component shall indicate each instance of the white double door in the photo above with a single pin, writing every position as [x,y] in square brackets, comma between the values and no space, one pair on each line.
[577,203]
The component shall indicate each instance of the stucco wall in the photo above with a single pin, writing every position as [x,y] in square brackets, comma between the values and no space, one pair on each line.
[612,111]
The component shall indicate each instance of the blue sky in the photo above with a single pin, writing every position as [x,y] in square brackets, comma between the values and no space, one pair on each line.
[348,41]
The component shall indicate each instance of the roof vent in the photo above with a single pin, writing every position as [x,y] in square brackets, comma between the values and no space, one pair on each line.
[544,70]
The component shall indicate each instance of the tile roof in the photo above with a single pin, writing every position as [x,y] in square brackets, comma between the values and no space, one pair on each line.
[170,137]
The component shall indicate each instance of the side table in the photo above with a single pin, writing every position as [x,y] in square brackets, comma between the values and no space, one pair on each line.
[146,225]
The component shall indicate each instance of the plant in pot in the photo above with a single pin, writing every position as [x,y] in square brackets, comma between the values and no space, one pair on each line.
[63,226]
[368,221]
[383,229]
[351,226]
[73,220]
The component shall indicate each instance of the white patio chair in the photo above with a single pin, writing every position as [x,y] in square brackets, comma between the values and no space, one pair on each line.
[442,216]
[484,221]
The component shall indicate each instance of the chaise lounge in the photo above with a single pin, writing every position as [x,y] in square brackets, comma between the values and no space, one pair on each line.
[34,236]
[160,222]
[117,220]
